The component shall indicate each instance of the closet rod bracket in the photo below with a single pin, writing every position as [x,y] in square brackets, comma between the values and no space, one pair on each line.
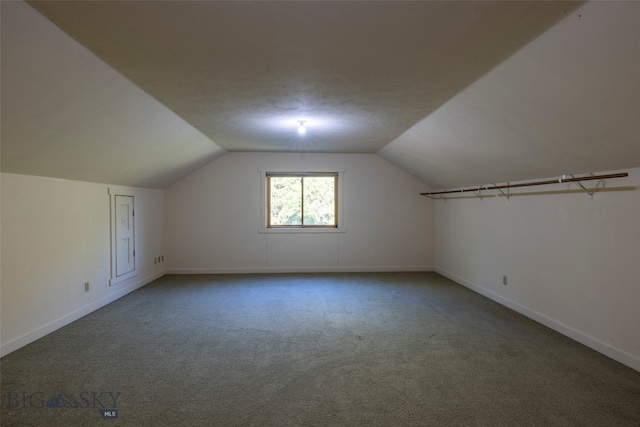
[507,194]
[590,193]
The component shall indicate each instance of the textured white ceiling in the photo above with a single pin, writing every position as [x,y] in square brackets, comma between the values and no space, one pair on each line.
[360,73]
[569,102]
[66,114]
[457,93]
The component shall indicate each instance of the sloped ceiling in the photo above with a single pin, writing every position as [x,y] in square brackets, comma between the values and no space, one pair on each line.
[360,73]
[66,114]
[457,93]
[569,102]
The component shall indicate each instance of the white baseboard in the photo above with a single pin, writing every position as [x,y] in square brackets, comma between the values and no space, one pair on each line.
[44,330]
[331,269]
[597,345]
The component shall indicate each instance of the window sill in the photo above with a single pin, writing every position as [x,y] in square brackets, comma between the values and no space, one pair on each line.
[300,230]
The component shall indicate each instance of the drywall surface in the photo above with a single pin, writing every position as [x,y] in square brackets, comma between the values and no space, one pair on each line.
[66,114]
[214,217]
[56,237]
[571,263]
[567,101]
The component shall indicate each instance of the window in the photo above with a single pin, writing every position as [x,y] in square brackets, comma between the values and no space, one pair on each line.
[302,200]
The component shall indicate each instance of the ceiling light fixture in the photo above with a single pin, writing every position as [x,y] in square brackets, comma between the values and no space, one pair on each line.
[301,129]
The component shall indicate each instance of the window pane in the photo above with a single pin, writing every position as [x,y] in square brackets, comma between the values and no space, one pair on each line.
[319,200]
[286,200]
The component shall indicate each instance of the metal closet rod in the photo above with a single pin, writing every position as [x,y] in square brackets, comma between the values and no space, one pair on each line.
[530,184]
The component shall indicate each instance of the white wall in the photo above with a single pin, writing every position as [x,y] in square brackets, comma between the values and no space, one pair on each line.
[213,219]
[572,263]
[56,237]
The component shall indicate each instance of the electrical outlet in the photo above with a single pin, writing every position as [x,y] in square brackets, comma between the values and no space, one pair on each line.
[162,258]
[504,280]
[86,286]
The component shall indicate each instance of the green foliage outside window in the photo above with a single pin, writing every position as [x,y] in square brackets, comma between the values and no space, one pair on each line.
[302,201]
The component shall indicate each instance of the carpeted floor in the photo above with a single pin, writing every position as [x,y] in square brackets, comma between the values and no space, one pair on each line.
[375,349]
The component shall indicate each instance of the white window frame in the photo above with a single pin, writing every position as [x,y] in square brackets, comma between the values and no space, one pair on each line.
[301,230]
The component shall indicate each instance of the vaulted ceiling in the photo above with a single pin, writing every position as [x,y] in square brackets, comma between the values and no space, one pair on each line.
[456,93]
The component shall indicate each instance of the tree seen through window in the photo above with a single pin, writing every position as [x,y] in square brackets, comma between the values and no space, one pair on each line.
[302,200]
